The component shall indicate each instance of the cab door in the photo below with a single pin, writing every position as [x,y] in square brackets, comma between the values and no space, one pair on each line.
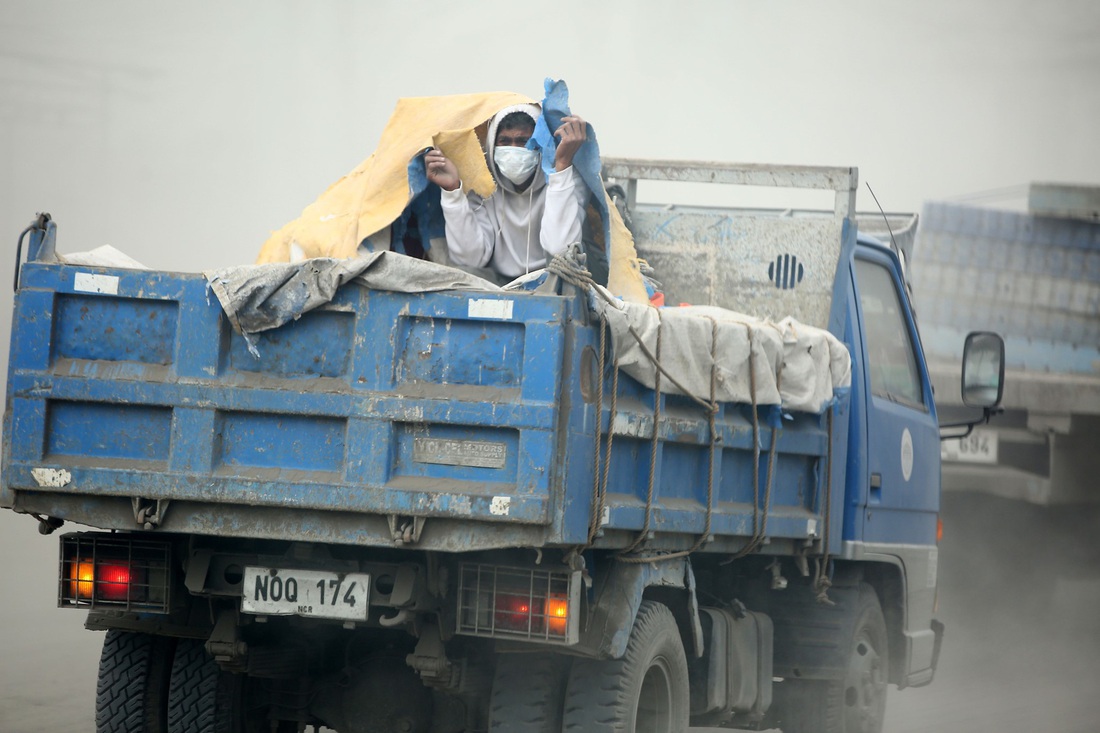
[903,443]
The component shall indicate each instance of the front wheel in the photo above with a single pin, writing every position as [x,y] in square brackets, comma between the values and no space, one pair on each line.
[644,692]
[857,702]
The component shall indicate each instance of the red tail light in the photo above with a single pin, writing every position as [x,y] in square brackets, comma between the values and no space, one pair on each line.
[114,571]
[513,613]
[529,604]
[114,582]
[532,615]
[99,580]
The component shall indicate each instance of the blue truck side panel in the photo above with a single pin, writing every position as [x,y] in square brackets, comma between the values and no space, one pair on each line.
[380,405]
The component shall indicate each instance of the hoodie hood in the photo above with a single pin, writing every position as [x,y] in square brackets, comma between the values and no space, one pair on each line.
[532,110]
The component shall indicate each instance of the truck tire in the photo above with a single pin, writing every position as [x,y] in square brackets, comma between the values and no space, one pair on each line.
[200,696]
[132,688]
[204,699]
[644,692]
[857,702]
[528,693]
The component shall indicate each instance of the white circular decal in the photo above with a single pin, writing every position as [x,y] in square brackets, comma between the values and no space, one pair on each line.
[906,454]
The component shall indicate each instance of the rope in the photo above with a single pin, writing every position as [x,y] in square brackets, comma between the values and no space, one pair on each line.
[712,419]
[769,482]
[571,272]
[755,448]
[712,412]
[610,433]
[654,445]
[759,524]
[574,273]
[821,570]
[597,495]
[661,370]
[599,484]
[759,519]
[577,275]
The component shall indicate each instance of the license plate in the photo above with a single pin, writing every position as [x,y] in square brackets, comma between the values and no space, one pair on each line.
[316,593]
[978,447]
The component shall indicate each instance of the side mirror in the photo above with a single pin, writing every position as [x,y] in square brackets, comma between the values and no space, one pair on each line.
[983,369]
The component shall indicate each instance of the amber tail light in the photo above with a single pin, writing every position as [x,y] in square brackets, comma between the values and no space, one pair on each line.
[114,571]
[519,603]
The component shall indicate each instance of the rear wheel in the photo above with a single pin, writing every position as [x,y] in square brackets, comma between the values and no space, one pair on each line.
[856,703]
[528,692]
[204,699]
[132,689]
[644,692]
[200,697]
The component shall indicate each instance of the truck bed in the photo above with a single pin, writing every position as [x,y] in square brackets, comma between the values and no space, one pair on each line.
[381,419]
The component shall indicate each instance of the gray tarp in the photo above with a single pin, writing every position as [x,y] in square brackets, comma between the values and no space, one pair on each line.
[795,365]
[261,297]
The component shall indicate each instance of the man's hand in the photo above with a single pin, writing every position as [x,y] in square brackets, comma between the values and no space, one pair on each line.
[441,170]
[571,135]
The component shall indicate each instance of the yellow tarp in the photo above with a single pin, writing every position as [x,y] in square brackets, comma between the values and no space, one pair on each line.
[375,193]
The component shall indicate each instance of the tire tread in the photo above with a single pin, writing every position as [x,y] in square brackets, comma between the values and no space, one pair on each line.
[817,706]
[131,684]
[599,690]
[528,691]
[192,695]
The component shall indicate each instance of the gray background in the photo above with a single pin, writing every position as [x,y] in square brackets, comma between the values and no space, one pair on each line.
[184,133]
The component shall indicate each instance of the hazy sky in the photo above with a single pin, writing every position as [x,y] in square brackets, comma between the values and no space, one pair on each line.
[184,133]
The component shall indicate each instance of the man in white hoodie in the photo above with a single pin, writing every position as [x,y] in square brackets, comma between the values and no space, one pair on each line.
[528,219]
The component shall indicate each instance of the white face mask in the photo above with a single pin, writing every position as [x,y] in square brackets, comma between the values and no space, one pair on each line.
[516,164]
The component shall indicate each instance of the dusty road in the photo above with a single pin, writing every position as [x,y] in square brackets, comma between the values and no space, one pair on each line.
[1020,656]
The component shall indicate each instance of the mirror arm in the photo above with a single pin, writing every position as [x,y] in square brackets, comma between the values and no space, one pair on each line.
[987,415]
[951,436]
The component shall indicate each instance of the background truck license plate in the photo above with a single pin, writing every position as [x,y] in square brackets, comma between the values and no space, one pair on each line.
[978,447]
[317,593]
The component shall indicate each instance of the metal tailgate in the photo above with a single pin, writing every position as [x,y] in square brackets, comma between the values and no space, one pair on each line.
[131,400]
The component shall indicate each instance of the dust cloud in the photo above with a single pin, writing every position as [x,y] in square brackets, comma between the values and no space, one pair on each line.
[1020,594]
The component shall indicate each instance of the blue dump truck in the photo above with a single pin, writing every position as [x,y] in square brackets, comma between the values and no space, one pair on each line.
[324,495]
